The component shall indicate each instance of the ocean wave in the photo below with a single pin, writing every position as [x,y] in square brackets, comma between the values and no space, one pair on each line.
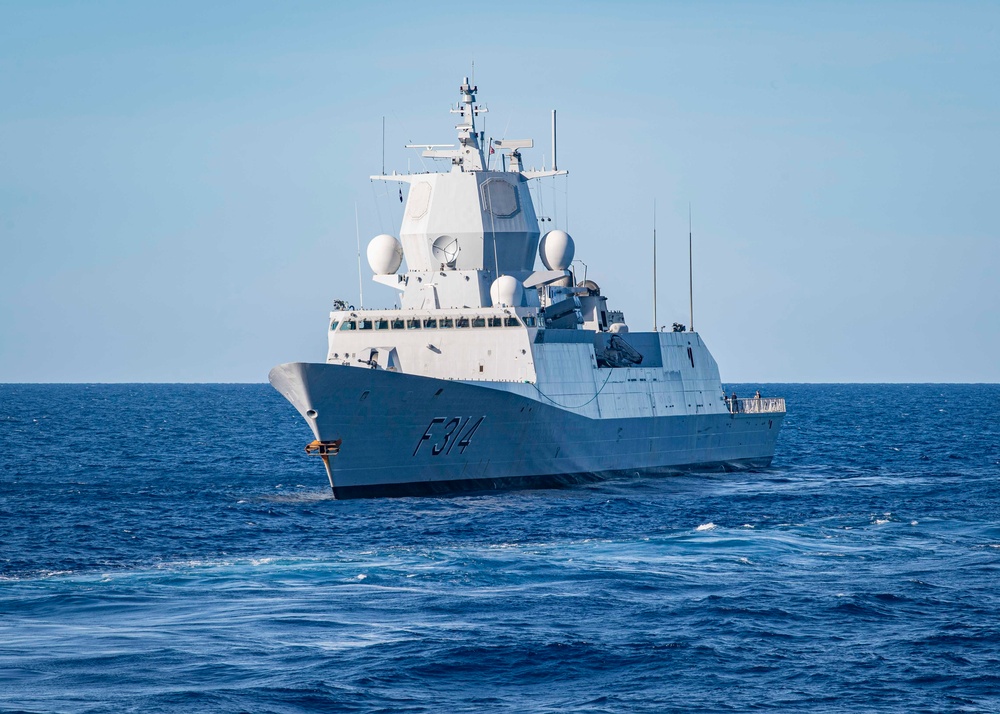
[177,578]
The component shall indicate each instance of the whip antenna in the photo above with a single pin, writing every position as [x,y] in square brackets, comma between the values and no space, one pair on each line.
[690,271]
[555,163]
[357,229]
[655,328]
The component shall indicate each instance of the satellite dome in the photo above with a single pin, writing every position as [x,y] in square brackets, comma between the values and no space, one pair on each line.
[506,291]
[556,250]
[384,254]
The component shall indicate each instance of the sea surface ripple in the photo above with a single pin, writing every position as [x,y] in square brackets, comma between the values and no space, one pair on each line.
[169,548]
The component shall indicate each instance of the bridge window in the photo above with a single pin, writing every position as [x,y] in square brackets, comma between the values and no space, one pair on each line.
[333,325]
[348,325]
[495,322]
[364,324]
[397,324]
[479,322]
[510,322]
[446,322]
[413,324]
[381,324]
[430,324]
[529,320]
[462,322]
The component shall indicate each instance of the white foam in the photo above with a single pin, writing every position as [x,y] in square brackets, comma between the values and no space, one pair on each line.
[193,563]
[706,527]
[362,576]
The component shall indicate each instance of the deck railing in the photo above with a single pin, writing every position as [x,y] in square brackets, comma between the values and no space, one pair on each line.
[756,405]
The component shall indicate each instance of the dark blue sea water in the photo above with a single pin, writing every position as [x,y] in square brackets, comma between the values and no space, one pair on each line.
[169,548]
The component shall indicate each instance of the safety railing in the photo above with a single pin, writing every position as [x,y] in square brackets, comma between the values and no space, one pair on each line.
[756,405]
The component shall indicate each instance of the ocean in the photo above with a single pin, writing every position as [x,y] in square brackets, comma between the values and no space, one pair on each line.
[170,548]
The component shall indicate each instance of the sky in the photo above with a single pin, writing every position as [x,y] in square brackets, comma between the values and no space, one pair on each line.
[179,181]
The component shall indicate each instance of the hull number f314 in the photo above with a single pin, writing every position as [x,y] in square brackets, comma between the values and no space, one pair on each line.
[445,433]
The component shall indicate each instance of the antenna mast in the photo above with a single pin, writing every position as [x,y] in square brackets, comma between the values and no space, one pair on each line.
[555,164]
[655,328]
[357,229]
[690,271]
[383,151]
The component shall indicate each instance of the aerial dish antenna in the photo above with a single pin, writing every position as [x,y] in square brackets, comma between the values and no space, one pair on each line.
[445,249]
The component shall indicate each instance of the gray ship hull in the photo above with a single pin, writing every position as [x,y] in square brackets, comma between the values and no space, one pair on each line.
[398,434]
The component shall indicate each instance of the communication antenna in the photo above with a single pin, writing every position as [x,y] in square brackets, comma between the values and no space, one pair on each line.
[555,165]
[383,145]
[493,230]
[357,229]
[655,328]
[690,271]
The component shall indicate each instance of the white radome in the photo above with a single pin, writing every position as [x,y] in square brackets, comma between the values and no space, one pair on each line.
[556,250]
[507,291]
[384,254]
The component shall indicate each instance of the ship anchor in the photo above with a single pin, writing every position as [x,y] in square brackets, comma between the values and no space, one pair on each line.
[325,449]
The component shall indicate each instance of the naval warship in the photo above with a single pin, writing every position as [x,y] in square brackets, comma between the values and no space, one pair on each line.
[497,373]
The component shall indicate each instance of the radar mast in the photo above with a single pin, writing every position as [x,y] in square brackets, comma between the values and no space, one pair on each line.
[469,154]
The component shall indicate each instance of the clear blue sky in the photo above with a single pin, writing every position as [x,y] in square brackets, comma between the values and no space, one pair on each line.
[178,180]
